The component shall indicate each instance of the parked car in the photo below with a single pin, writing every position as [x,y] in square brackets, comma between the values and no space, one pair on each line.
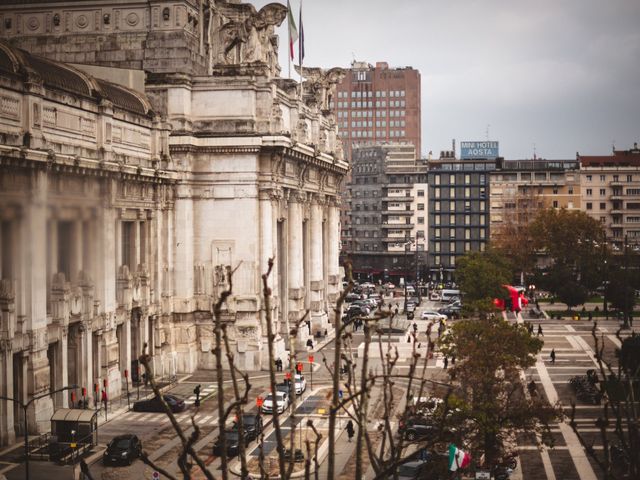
[351,297]
[416,428]
[389,286]
[421,427]
[432,316]
[122,449]
[301,384]
[376,297]
[251,424]
[154,405]
[450,312]
[414,470]
[435,297]
[232,439]
[411,307]
[282,402]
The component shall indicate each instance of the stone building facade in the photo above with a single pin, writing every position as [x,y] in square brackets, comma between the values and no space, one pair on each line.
[120,209]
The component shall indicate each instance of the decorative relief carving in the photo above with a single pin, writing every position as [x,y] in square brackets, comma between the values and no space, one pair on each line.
[245,35]
[82,21]
[33,23]
[132,19]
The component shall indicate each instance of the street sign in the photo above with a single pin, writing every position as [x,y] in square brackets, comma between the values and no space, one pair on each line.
[73,444]
[259,401]
[483,475]
[340,394]
[155,476]
[310,358]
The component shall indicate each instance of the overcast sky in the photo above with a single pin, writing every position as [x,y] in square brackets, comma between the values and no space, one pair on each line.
[563,75]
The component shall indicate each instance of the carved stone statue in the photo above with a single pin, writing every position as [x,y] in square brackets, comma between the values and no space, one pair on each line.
[319,85]
[245,35]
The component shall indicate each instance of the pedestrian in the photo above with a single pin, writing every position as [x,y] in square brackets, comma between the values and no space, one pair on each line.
[309,344]
[446,362]
[590,316]
[415,327]
[350,430]
[453,359]
[429,329]
[278,364]
[104,398]
[553,356]
[145,379]
[540,330]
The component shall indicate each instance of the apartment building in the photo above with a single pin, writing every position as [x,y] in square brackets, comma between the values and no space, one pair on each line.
[611,192]
[458,206]
[376,105]
[388,195]
[519,188]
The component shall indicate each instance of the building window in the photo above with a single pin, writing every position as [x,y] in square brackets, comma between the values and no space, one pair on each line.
[452,247]
[467,219]
[421,206]
[603,206]
[589,192]
[452,192]
[603,178]
[452,206]
[452,233]
[452,261]
[589,206]
[421,193]
[589,178]
[467,192]
[436,179]
[452,179]
[629,178]
[420,220]
[452,219]
[436,259]
[616,178]
[436,206]
[555,204]
[482,233]
[436,220]
[467,234]
[467,246]
[436,247]
[467,179]
[603,192]
[436,233]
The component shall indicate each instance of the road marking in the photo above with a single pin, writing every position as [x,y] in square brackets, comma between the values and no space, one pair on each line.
[614,340]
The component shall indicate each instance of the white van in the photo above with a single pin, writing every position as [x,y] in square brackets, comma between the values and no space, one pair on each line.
[448,295]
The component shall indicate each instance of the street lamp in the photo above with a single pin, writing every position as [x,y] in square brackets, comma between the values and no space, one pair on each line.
[25,407]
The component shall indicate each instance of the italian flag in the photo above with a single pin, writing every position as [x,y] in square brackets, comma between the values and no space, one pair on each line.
[293,31]
[458,458]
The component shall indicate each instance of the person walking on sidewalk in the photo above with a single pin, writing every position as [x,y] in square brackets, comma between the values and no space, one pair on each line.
[553,356]
[446,362]
[540,330]
[350,430]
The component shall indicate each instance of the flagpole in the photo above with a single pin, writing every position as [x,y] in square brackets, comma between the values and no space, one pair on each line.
[301,51]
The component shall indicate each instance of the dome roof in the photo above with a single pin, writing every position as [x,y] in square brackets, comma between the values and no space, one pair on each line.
[61,76]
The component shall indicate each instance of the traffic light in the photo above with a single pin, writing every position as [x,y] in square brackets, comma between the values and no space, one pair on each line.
[84,391]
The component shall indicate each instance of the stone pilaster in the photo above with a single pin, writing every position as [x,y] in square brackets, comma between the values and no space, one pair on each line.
[333,251]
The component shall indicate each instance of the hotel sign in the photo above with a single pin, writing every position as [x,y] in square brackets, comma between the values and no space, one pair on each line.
[472,150]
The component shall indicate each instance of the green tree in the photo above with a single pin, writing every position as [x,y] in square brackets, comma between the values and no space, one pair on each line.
[481,276]
[490,354]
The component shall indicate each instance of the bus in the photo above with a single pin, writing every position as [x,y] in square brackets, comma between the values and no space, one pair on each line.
[448,295]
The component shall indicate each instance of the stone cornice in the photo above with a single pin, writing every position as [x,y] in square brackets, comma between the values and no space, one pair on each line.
[39,159]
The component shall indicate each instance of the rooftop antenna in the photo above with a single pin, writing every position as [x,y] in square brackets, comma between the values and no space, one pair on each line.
[487,131]
[613,145]
[353,59]
[534,151]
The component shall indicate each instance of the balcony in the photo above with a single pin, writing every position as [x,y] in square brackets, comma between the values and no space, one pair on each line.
[399,198]
[397,212]
[397,226]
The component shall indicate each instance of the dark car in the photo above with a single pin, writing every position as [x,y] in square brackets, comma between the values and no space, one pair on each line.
[251,424]
[122,449]
[416,428]
[233,438]
[413,470]
[450,312]
[154,405]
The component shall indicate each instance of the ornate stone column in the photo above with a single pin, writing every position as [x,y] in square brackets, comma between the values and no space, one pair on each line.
[295,261]
[333,251]
[7,321]
[318,314]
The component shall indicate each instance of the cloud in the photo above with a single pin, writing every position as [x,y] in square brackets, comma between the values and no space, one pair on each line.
[561,73]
